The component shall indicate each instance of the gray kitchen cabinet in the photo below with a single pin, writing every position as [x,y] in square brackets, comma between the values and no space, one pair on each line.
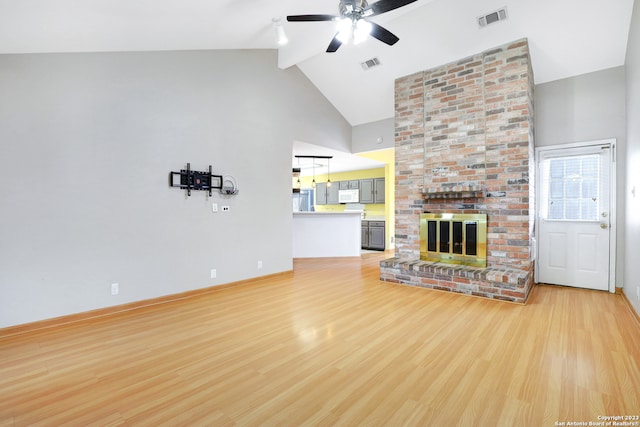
[378,190]
[373,235]
[353,184]
[332,194]
[376,235]
[365,234]
[366,190]
[372,190]
[327,194]
[321,193]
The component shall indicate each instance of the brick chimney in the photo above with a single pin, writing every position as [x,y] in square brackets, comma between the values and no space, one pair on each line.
[464,144]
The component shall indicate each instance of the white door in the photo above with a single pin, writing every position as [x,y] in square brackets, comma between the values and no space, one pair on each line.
[574,216]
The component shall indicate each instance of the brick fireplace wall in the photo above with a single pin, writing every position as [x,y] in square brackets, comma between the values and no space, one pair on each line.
[464,144]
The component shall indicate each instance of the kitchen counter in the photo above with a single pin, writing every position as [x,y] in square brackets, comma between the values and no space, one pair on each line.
[326,234]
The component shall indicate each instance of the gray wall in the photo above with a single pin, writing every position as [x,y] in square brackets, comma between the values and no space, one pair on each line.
[374,136]
[586,108]
[581,108]
[632,253]
[86,145]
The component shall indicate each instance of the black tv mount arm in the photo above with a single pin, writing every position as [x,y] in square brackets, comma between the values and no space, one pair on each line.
[188,179]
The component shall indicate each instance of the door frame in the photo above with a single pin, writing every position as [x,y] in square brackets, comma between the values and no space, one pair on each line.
[611,143]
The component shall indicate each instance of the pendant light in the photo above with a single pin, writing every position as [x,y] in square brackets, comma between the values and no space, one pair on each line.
[313,159]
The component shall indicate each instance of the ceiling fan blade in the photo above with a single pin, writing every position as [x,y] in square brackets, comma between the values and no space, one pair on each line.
[310,18]
[383,34]
[383,6]
[335,44]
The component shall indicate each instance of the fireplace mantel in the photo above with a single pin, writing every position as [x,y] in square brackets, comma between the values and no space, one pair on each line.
[458,192]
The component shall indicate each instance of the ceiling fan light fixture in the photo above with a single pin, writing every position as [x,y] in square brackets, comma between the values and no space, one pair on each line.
[361,31]
[344,30]
[351,13]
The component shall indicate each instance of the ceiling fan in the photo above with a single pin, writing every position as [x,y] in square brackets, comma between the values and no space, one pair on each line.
[352,23]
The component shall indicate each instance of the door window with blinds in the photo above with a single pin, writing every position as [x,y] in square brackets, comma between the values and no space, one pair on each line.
[570,187]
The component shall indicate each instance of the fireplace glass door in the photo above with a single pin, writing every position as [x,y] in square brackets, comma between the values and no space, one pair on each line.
[454,238]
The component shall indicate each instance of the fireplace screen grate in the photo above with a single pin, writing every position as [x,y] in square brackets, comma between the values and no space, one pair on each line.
[454,238]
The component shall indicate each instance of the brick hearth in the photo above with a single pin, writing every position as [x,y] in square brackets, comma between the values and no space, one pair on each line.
[498,282]
[464,144]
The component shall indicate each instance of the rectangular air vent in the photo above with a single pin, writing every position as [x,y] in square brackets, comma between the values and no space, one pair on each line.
[370,63]
[493,17]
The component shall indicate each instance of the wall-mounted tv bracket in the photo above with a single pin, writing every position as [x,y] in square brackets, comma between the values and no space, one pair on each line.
[188,179]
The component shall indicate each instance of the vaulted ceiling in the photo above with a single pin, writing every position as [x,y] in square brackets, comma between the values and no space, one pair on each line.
[566,37]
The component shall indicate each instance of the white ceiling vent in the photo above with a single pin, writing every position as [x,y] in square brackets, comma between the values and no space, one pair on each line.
[370,63]
[493,17]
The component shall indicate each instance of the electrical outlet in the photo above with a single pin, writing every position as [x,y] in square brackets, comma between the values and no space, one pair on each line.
[214,273]
[225,209]
[214,207]
[259,264]
[115,289]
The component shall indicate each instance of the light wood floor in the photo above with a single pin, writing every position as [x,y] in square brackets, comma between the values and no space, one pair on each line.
[331,345]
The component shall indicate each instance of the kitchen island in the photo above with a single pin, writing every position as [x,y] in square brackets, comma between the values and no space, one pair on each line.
[326,234]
